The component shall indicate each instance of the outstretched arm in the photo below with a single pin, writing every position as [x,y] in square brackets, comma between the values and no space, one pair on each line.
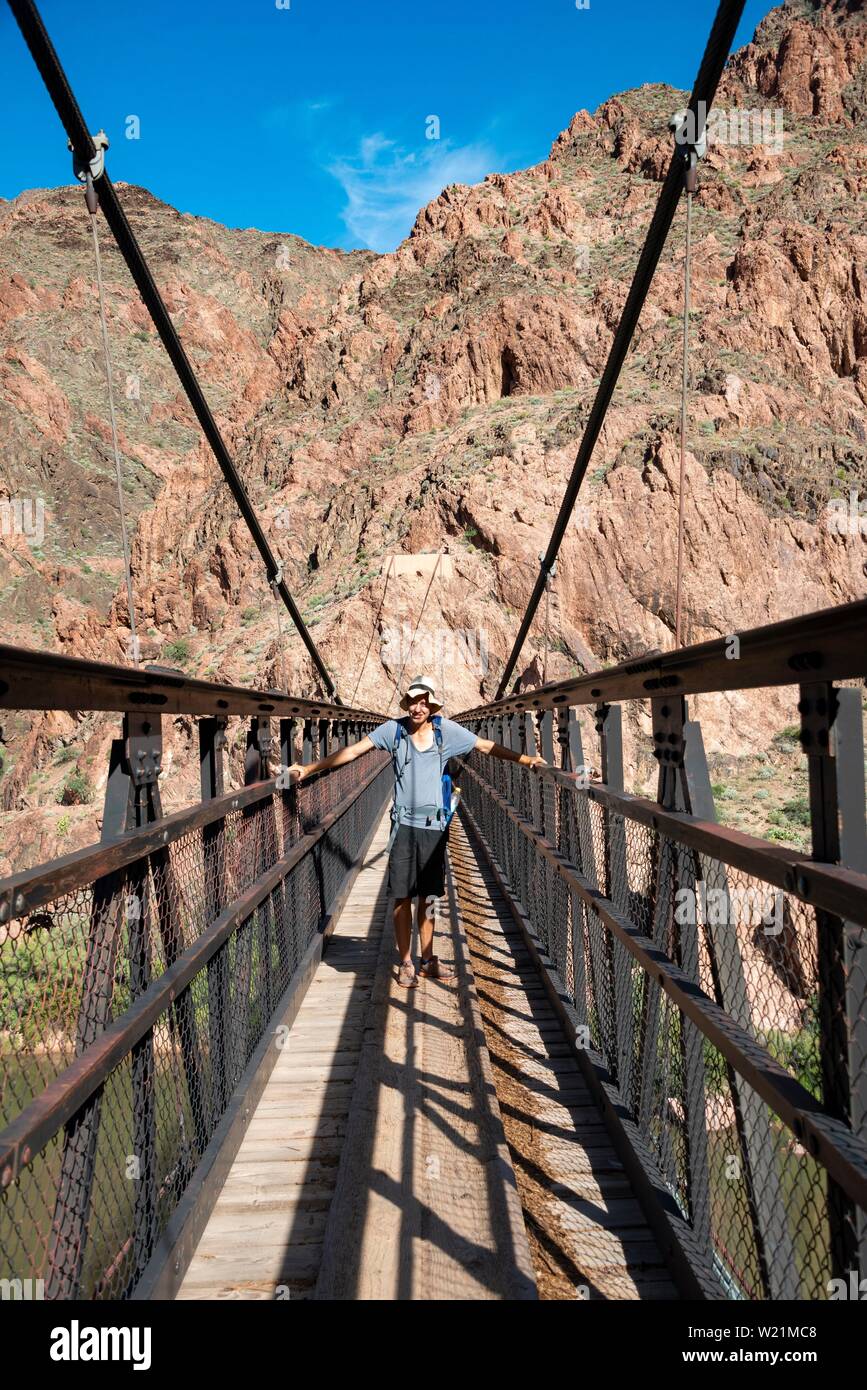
[496,750]
[298,771]
[583,775]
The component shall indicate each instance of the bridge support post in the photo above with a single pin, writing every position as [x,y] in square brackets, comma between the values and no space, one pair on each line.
[108,915]
[849,741]
[501,731]
[589,972]
[532,890]
[775,1254]
[684,785]
[244,937]
[212,746]
[819,707]
[513,775]
[676,869]
[567,843]
[320,794]
[182,1023]
[261,840]
[555,929]
[291,832]
[609,726]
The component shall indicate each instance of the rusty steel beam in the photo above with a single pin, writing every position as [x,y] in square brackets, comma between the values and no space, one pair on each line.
[28,889]
[828,645]
[45,680]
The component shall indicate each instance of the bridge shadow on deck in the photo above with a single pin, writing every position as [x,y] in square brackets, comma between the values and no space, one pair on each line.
[588,1234]
[426,1203]
[376,1165]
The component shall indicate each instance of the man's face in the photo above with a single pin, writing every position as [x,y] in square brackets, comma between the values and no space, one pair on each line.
[418,709]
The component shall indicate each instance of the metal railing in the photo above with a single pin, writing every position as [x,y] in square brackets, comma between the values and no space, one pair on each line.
[717,981]
[139,976]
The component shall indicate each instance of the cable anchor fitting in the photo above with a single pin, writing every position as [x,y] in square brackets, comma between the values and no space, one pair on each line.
[690,148]
[88,173]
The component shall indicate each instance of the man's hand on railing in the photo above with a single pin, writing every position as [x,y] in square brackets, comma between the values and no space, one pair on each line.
[296,772]
[585,775]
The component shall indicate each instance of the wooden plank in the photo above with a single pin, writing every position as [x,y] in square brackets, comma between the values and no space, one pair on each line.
[236,1268]
[312,1173]
[310,1092]
[312,1110]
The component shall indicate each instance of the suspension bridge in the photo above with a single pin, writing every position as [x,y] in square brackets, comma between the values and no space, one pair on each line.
[648,1078]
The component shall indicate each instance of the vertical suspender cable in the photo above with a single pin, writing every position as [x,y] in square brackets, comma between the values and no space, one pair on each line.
[683,395]
[373,634]
[405,661]
[704,90]
[117,468]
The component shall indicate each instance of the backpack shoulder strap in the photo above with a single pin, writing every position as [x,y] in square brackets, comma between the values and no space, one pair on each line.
[445,782]
[400,735]
[438,735]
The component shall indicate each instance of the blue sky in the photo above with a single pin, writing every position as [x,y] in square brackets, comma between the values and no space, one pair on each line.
[312,116]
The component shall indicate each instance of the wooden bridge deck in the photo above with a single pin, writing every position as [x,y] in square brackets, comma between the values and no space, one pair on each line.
[265,1235]
[586,1229]
[376,1165]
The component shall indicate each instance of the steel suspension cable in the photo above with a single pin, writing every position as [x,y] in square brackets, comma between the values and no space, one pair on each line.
[548,579]
[117,468]
[718,45]
[36,37]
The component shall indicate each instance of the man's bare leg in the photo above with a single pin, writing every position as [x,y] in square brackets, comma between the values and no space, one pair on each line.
[403,928]
[427,912]
[426,909]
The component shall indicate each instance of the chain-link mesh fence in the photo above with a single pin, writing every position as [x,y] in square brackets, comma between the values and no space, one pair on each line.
[768,1218]
[85,1210]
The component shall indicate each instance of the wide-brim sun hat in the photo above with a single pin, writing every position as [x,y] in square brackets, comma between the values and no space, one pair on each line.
[424,685]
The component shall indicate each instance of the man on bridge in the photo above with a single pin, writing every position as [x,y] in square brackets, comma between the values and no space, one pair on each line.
[420,745]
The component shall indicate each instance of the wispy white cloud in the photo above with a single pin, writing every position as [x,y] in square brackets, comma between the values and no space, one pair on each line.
[385,184]
[283,116]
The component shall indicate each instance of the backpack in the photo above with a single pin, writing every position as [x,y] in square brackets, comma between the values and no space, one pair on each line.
[445,810]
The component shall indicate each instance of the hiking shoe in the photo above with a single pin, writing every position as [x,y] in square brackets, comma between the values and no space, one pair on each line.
[433,969]
[406,974]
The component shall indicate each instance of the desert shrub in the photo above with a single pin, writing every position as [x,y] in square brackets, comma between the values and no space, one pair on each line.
[179,650]
[76,790]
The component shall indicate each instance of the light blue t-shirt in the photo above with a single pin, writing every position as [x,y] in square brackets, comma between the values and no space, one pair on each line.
[419,784]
